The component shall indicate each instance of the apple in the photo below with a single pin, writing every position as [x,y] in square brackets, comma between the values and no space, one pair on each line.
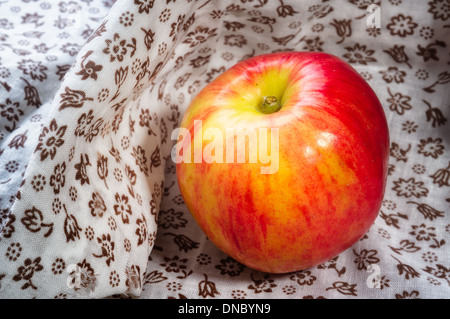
[282,160]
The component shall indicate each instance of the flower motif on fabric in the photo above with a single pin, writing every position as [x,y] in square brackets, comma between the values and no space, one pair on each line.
[442,176]
[141,160]
[171,219]
[141,230]
[440,272]
[71,228]
[344,288]
[410,188]
[50,139]
[431,147]
[183,242]
[90,69]
[262,285]
[83,121]
[398,54]
[174,264]
[107,248]
[230,267]
[58,179]
[398,102]
[12,112]
[235,40]
[434,115]
[118,48]
[27,271]
[359,54]
[393,74]
[401,25]
[303,278]
[422,232]
[126,19]
[71,49]
[122,208]
[33,221]
[207,288]
[414,294]
[343,28]
[73,98]
[199,35]
[365,258]
[97,205]
[35,69]
[81,168]
[430,52]
[440,9]
[144,5]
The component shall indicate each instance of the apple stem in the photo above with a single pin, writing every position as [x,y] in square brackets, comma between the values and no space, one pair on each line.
[270,105]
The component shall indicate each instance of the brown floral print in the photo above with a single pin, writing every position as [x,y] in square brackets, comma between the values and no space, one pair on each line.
[401,25]
[26,272]
[50,139]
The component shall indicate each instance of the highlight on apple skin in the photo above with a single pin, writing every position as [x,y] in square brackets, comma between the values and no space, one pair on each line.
[282,160]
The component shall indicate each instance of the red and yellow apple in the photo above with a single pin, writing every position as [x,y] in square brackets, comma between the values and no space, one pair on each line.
[318,179]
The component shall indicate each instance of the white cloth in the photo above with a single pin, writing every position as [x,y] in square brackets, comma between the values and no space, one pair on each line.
[89,201]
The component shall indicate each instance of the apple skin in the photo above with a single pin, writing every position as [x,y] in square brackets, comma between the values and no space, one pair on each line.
[333,157]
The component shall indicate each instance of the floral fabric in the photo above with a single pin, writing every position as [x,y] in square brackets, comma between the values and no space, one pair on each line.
[90,92]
